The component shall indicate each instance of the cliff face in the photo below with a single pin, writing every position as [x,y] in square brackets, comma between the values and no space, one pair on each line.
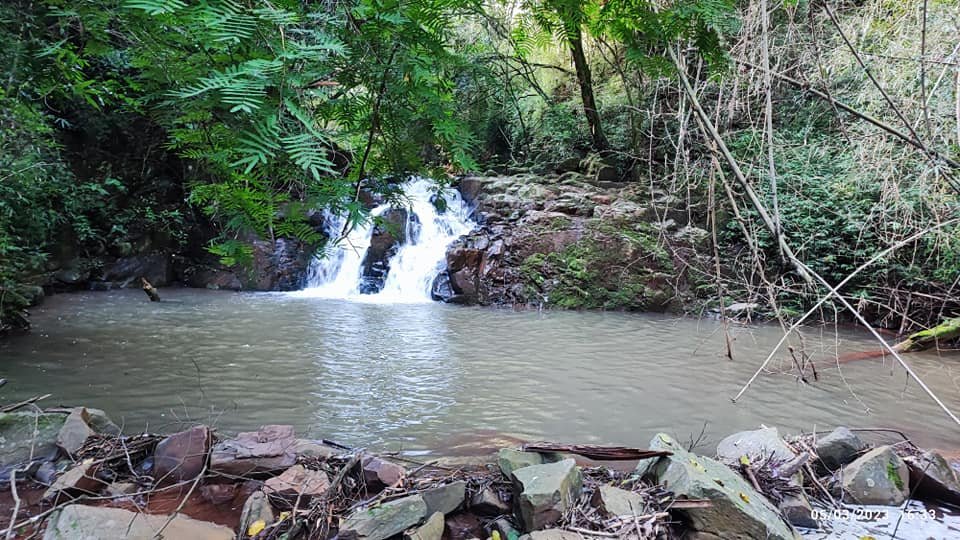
[572,241]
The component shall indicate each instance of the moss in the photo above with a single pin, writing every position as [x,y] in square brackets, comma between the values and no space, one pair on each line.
[893,474]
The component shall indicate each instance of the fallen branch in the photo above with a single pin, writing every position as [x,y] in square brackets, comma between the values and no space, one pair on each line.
[924,339]
[599,453]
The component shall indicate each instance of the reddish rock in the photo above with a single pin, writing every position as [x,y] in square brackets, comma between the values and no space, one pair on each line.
[269,450]
[379,474]
[298,481]
[218,493]
[79,480]
[181,456]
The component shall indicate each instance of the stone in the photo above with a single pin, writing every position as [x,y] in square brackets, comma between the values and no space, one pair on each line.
[75,431]
[218,493]
[121,489]
[269,450]
[737,511]
[619,502]
[542,493]
[877,477]
[487,502]
[506,528]
[431,530]
[298,481]
[757,445]
[797,511]
[445,499]
[932,478]
[390,232]
[127,271]
[77,480]
[838,448]
[559,534]
[379,473]
[79,522]
[314,449]
[101,423]
[256,508]
[19,440]
[181,456]
[383,521]
[510,460]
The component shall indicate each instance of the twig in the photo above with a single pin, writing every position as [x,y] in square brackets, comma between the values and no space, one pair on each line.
[183,502]
[24,403]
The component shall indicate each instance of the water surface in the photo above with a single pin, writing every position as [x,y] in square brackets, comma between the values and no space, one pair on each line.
[434,376]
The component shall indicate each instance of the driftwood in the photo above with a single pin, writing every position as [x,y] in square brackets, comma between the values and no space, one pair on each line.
[924,339]
[599,453]
[150,290]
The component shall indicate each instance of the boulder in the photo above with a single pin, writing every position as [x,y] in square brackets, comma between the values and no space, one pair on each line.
[542,493]
[487,502]
[737,510]
[269,450]
[385,520]
[392,230]
[838,448]
[431,530]
[75,431]
[445,499]
[298,481]
[932,478]
[379,473]
[76,521]
[101,423]
[510,460]
[619,502]
[181,456]
[18,441]
[78,480]
[877,477]
[757,445]
[127,271]
[256,508]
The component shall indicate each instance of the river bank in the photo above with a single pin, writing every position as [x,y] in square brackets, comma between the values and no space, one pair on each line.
[78,474]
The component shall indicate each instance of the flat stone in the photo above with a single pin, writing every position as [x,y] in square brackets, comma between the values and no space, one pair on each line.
[542,493]
[269,450]
[510,460]
[737,510]
[256,508]
[77,480]
[619,502]
[558,534]
[838,448]
[487,503]
[758,446]
[314,449]
[75,431]
[379,473]
[383,521]
[181,456]
[431,530]
[445,499]
[298,481]
[932,478]
[877,477]
[78,522]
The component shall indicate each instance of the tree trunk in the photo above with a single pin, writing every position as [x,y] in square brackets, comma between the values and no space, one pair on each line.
[586,92]
[946,331]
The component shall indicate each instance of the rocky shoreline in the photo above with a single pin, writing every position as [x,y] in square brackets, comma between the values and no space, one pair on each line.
[76,475]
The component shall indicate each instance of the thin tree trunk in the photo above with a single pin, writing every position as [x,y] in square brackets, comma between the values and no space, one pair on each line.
[586,93]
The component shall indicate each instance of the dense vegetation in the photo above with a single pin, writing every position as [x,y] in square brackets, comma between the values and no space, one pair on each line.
[133,125]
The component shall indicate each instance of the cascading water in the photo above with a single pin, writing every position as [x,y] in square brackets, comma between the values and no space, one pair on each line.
[413,263]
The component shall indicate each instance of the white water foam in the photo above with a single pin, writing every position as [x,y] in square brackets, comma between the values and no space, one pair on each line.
[338,273]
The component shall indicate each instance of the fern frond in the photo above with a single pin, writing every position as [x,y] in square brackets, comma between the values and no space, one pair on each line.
[155,7]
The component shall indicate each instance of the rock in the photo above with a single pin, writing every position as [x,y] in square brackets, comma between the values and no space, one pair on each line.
[181,456]
[18,441]
[877,477]
[558,534]
[838,448]
[72,275]
[385,520]
[737,511]
[101,423]
[77,480]
[464,525]
[256,508]
[379,473]
[269,450]
[932,478]
[757,445]
[280,265]
[218,493]
[298,481]
[510,460]
[445,499]
[76,522]
[488,503]
[75,431]
[314,449]
[127,271]
[392,231]
[431,530]
[470,187]
[121,489]
[506,528]
[619,502]
[569,164]
[542,493]
[797,511]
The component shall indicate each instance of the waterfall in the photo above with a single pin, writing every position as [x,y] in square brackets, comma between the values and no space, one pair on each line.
[350,270]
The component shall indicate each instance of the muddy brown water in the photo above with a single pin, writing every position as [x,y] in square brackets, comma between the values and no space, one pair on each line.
[414,377]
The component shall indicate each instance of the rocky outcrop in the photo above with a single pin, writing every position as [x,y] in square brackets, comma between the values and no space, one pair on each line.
[391,231]
[877,477]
